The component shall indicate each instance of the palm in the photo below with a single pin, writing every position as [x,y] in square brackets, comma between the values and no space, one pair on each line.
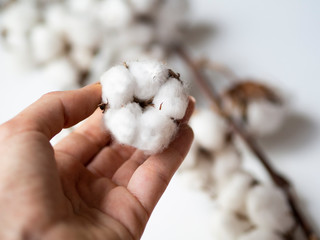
[83,188]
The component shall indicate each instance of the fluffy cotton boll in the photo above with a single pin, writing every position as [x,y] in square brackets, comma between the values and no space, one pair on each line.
[172,99]
[117,86]
[227,161]
[260,234]
[264,117]
[56,16]
[82,57]
[155,131]
[20,16]
[268,209]
[144,6]
[123,122]
[233,195]
[84,32]
[62,73]
[115,14]
[227,226]
[149,76]
[46,43]
[209,129]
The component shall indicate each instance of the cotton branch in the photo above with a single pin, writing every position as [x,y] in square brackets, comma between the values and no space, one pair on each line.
[238,129]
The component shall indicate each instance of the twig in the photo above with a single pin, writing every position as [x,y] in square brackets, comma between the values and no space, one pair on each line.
[238,129]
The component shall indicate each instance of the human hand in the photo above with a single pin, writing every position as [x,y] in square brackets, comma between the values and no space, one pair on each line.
[85,187]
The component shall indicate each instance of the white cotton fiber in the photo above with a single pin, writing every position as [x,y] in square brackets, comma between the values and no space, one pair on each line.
[46,43]
[150,129]
[260,234]
[227,226]
[209,129]
[233,195]
[117,86]
[172,99]
[264,117]
[155,131]
[149,76]
[123,122]
[226,162]
[268,209]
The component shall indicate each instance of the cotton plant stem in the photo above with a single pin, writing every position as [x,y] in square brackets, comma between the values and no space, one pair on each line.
[238,129]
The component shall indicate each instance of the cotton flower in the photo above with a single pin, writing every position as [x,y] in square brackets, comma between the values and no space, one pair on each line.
[268,209]
[144,126]
[209,129]
[260,234]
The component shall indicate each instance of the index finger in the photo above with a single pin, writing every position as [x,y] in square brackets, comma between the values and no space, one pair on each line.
[57,110]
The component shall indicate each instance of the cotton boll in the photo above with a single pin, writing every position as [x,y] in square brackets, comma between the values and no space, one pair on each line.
[172,99]
[123,122]
[264,117]
[227,226]
[20,16]
[117,86]
[62,73]
[84,32]
[144,6]
[155,131]
[209,129]
[233,195]
[260,234]
[46,43]
[82,57]
[149,76]
[227,161]
[115,14]
[268,209]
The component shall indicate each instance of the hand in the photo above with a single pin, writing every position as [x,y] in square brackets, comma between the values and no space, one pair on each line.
[85,187]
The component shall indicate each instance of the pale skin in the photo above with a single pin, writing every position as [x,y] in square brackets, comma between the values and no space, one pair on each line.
[85,187]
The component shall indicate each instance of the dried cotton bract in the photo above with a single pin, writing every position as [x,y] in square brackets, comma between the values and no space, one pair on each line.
[144,101]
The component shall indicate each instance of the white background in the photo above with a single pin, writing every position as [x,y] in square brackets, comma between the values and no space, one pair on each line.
[276,41]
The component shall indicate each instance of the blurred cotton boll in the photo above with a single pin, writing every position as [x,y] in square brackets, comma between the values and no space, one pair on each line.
[209,129]
[260,108]
[227,226]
